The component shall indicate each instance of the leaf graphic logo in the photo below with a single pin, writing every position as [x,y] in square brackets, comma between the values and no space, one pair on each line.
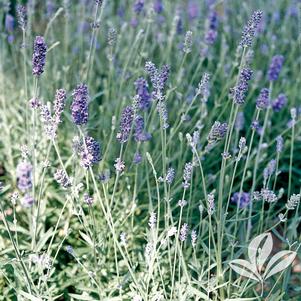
[258,252]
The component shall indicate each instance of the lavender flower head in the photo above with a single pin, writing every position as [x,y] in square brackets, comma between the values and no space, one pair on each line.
[88,199]
[126,121]
[140,135]
[211,203]
[279,102]
[119,165]
[158,77]
[27,201]
[9,23]
[241,200]
[62,178]
[204,87]
[88,151]
[137,158]
[24,176]
[217,132]
[188,42]
[194,238]
[170,175]
[104,176]
[163,113]
[187,175]
[211,33]
[142,90]
[249,30]
[39,56]
[269,170]
[183,232]
[79,106]
[275,67]
[262,101]
[59,104]
[238,93]
[22,16]
[138,6]
[279,144]
[152,220]
[158,6]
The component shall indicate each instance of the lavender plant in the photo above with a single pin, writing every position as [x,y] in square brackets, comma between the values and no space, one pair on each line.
[150,150]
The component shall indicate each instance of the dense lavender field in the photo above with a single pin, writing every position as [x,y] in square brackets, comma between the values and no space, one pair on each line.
[150,150]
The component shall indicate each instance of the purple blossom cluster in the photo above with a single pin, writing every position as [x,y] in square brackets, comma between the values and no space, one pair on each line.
[126,123]
[279,144]
[275,67]
[187,175]
[249,30]
[158,6]
[62,178]
[88,150]
[22,16]
[59,105]
[242,200]
[79,106]
[279,103]
[211,33]
[138,6]
[51,122]
[217,132]
[142,91]
[262,101]
[238,93]
[269,170]
[170,175]
[24,176]
[158,77]
[39,56]
[140,135]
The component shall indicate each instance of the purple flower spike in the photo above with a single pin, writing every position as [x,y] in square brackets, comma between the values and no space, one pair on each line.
[158,77]
[217,132]
[241,200]
[90,152]
[238,93]
[22,16]
[279,144]
[59,104]
[27,201]
[211,33]
[142,90]
[279,103]
[39,56]
[126,122]
[249,30]
[187,175]
[263,99]
[140,135]
[170,175]
[275,67]
[138,6]
[158,6]
[137,158]
[24,176]
[9,23]
[79,106]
